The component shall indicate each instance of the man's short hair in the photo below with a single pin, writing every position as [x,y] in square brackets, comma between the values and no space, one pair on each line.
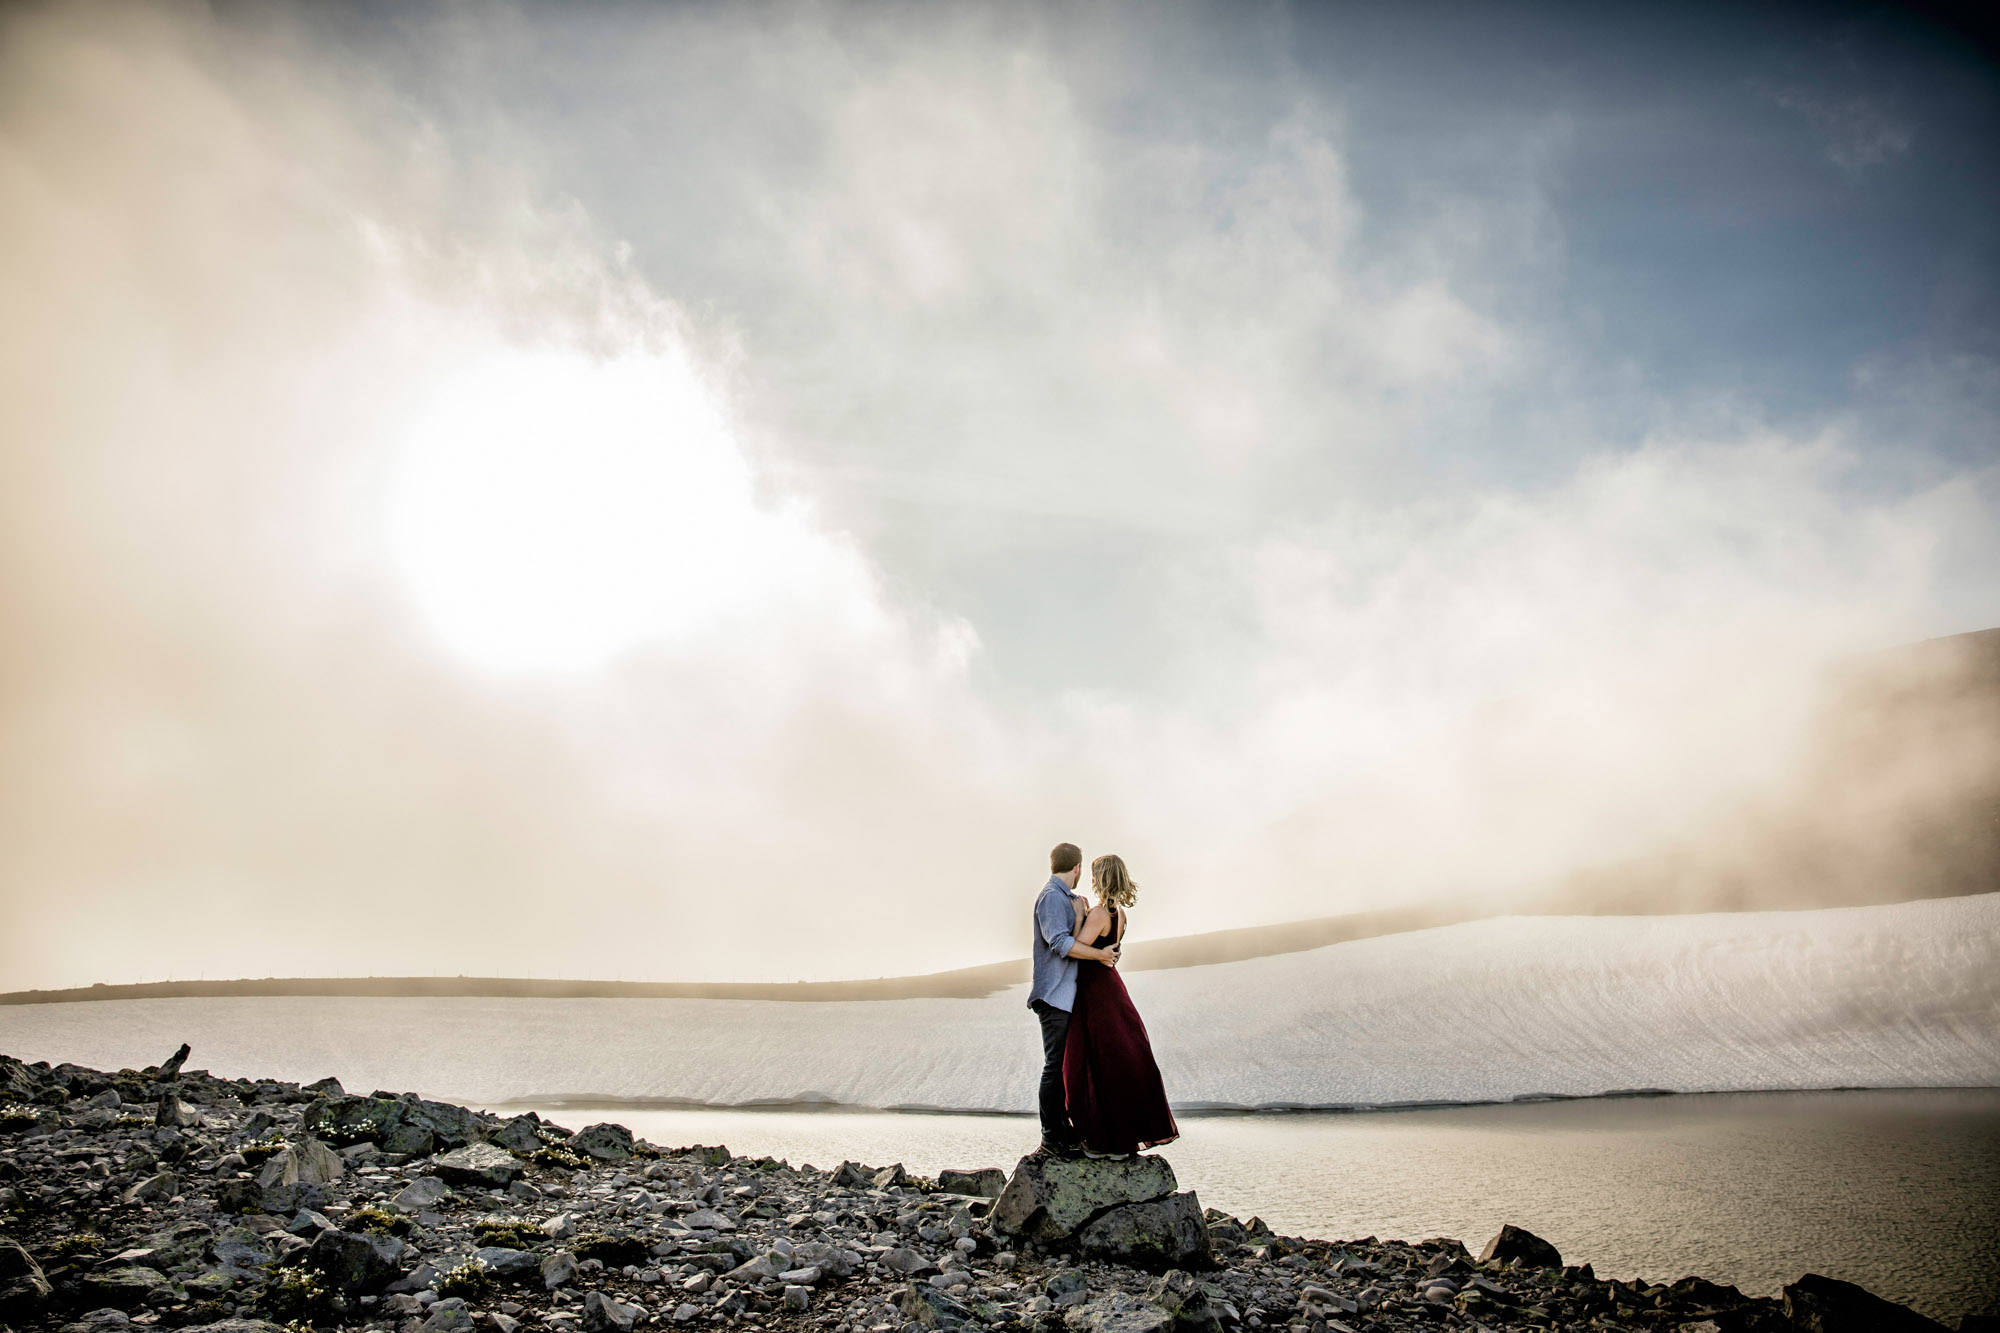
[1065,857]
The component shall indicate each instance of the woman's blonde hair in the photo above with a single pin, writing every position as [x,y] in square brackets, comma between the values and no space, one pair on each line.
[1113,881]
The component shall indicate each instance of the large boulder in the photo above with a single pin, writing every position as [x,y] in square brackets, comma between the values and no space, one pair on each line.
[1051,1198]
[1158,1234]
[606,1142]
[24,1290]
[1519,1246]
[307,1162]
[406,1124]
[1818,1304]
[356,1263]
[522,1134]
[479,1164]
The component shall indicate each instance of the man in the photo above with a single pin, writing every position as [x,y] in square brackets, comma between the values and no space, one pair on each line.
[1055,953]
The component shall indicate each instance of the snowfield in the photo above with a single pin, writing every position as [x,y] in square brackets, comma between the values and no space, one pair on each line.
[1906,995]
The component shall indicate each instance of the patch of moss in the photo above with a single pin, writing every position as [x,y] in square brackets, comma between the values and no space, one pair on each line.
[298,1295]
[378,1221]
[509,1235]
[468,1280]
[256,1154]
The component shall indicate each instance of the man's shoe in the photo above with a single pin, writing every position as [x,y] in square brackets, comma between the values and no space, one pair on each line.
[1051,1148]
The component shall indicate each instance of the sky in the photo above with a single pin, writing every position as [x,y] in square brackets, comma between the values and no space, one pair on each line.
[702,491]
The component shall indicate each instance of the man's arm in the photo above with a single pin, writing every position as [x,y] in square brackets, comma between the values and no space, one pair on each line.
[1053,919]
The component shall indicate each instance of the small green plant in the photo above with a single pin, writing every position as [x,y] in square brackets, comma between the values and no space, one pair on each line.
[205,1312]
[364,1130]
[15,1116]
[77,1242]
[509,1235]
[376,1220]
[299,1295]
[468,1280]
[554,1156]
[133,1121]
[256,1154]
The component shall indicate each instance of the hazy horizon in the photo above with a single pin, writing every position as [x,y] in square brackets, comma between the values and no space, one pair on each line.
[713,492]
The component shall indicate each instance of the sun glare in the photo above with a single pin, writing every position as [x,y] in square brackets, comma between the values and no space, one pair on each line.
[549,511]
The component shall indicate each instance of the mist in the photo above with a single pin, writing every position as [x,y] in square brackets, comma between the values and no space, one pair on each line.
[716,492]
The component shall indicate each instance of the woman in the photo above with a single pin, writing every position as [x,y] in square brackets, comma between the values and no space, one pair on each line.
[1117,1103]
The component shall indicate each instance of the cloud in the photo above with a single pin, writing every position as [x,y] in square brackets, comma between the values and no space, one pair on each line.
[1858,132]
[407,569]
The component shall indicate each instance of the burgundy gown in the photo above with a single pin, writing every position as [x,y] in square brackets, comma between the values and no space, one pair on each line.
[1117,1103]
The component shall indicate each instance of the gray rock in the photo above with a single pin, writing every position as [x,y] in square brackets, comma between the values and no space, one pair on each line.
[506,1263]
[801,1277]
[309,1224]
[422,1193]
[1818,1304]
[521,1134]
[1159,1234]
[126,1288]
[326,1087]
[307,1162]
[107,1099]
[557,1269]
[503,1322]
[1520,1246]
[1049,1198]
[448,1316]
[399,1124]
[1118,1313]
[560,1227]
[171,1112]
[798,1298]
[707,1219]
[171,1069]
[240,1247]
[356,1263]
[608,1314]
[160,1186]
[908,1262]
[1196,1308]
[762,1266]
[478,1164]
[685,1311]
[927,1305]
[831,1260]
[606,1142]
[986,1182]
[890,1177]
[853,1176]
[24,1289]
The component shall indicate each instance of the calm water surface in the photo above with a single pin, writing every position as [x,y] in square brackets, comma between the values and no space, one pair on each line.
[1899,1191]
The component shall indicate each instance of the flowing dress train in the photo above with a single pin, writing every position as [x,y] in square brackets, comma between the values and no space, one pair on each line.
[1116,1101]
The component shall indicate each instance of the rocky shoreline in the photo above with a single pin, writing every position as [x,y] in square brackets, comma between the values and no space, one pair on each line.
[170,1198]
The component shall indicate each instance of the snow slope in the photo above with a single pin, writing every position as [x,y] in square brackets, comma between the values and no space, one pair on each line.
[1906,995]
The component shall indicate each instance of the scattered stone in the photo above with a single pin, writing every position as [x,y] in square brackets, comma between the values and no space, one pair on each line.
[478,1164]
[1517,1245]
[423,1193]
[607,1143]
[557,1269]
[159,1186]
[356,1263]
[986,1182]
[307,1162]
[607,1314]
[506,1264]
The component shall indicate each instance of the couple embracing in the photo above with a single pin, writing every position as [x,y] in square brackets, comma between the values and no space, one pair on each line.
[1101,1093]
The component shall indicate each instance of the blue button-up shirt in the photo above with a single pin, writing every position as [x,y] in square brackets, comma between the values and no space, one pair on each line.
[1055,924]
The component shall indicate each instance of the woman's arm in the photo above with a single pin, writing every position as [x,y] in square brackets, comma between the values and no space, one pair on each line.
[1095,922]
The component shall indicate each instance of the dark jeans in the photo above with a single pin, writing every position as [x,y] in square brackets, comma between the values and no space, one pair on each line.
[1055,1115]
